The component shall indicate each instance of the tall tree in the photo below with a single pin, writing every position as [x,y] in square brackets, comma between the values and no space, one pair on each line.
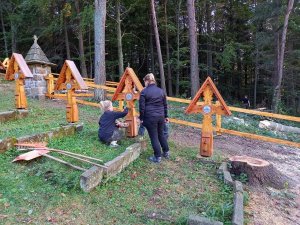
[3,32]
[170,91]
[66,14]
[194,72]
[119,39]
[158,48]
[281,47]
[99,27]
[178,9]
[80,41]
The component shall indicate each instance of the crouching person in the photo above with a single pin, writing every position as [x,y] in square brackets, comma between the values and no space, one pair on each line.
[109,132]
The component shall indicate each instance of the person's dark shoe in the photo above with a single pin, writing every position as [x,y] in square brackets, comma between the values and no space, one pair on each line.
[154,159]
[166,155]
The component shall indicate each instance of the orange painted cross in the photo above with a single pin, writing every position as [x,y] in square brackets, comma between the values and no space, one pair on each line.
[70,79]
[207,109]
[18,70]
[129,90]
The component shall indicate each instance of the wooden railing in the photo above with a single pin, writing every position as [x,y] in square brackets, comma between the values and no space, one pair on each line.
[110,87]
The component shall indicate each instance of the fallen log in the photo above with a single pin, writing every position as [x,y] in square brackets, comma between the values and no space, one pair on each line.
[259,172]
[278,127]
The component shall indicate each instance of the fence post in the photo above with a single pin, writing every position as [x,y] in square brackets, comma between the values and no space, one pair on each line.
[50,85]
[218,121]
[121,105]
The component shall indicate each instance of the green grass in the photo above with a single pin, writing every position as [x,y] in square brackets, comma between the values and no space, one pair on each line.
[43,191]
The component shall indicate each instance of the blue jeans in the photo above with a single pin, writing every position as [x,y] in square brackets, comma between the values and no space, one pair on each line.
[155,128]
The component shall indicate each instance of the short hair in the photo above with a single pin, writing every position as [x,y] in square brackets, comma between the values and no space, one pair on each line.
[149,77]
[105,105]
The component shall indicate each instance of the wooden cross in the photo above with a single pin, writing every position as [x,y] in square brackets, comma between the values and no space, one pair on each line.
[207,109]
[129,89]
[70,79]
[18,70]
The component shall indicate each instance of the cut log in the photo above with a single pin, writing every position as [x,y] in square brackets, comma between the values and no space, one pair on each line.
[259,171]
[278,127]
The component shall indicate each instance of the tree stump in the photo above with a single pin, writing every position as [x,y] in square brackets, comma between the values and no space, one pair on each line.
[259,171]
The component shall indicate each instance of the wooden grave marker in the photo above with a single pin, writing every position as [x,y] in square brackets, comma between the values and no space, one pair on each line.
[4,64]
[18,70]
[70,79]
[207,109]
[129,90]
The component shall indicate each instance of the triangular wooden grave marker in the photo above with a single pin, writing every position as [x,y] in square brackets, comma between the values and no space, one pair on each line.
[126,87]
[70,78]
[5,63]
[129,90]
[221,109]
[207,108]
[2,66]
[17,68]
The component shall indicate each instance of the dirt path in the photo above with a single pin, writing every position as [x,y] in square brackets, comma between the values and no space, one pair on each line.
[266,205]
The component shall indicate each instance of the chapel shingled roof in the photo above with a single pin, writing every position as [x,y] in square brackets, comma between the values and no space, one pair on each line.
[36,54]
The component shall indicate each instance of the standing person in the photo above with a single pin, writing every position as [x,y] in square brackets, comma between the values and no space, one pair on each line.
[246,102]
[109,132]
[153,115]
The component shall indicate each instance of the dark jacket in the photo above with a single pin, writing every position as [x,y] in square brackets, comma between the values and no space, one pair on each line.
[153,103]
[107,124]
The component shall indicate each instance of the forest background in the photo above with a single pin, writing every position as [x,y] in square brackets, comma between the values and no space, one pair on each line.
[247,47]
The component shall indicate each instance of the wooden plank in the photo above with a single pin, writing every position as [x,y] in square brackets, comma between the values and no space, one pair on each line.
[88,103]
[93,85]
[75,95]
[186,123]
[261,138]
[240,134]
[266,114]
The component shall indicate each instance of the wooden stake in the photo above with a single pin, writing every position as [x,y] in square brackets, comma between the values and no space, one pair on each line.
[64,162]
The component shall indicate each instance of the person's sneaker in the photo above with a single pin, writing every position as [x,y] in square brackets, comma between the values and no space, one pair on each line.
[113,144]
[154,159]
[166,155]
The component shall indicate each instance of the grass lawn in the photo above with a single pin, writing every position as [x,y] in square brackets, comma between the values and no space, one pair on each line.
[43,191]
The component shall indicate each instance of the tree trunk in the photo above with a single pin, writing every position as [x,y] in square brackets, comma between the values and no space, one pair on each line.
[90,53]
[259,172]
[256,74]
[67,39]
[277,92]
[119,40]
[158,48]
[170,91]
[81,42]
[278,127]
[194,73]
[4,33]
[13,31]
[209,51]
[99,27]
[151,48]
[178,46]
